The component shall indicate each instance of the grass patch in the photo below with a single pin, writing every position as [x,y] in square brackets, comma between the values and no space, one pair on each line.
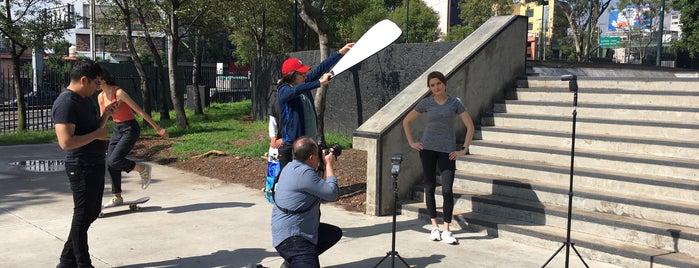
[28,137]
[223,126]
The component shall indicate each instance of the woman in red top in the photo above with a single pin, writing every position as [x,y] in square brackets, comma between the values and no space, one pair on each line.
[125,133]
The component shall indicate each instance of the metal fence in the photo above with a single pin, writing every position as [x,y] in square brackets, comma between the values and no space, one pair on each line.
[231,88]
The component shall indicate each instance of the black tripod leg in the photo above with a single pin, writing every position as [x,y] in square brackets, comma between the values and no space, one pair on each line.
[401,259]
[384,258]
[554,255]
[578,253]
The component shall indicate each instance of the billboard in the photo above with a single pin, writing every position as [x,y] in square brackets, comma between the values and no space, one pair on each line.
[629,18]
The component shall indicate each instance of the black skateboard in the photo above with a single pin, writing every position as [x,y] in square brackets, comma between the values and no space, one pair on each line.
[133,204]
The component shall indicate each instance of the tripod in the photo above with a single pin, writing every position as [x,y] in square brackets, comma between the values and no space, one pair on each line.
[396,159]
[573,86]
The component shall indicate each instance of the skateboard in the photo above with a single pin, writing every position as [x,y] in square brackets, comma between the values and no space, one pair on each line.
[133,204]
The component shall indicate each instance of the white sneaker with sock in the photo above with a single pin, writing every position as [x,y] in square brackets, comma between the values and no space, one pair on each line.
[434,235]
[449,238]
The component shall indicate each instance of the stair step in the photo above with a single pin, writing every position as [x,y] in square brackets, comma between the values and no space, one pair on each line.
[678,190]
[610,96]
[628,83]
[556,154]
[524,201]
[620,144]
[602,127]
[600,110]
[590,246]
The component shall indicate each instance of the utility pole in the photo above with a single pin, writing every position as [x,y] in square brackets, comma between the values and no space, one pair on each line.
[93,53]
[543,4]
[661,30]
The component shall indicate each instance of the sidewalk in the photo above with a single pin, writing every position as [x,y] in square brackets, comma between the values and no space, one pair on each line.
[195,221]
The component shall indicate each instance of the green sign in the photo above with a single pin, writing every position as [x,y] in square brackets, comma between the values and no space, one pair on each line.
[609,41]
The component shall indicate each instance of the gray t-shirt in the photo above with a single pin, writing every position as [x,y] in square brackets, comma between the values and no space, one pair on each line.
[439,130]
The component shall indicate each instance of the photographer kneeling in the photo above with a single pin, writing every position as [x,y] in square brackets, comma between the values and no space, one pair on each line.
[297,233]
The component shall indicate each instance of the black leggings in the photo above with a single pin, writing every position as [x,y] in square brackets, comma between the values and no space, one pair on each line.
[432,160]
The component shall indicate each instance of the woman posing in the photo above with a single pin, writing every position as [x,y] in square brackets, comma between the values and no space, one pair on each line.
[125,133]
[437,148]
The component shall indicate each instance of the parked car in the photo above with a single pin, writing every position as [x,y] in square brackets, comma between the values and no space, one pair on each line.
[38,98]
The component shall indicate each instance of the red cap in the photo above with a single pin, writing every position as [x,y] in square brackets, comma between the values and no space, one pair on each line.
[294,65]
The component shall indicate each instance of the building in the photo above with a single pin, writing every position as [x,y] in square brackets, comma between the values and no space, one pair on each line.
[110,43]
[539,27]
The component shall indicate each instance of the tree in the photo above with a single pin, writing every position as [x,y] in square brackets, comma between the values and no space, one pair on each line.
[29,25]
[257,27]
[475,13]
[582,16]
[637,19]
[690,26]
[423,23]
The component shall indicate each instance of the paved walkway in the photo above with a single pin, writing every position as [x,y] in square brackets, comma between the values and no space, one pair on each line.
[195,221]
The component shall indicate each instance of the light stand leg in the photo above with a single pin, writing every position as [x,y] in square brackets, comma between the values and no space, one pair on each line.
[573,85]
[393,253]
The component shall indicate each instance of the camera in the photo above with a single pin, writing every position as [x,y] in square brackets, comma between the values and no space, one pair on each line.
[336,150]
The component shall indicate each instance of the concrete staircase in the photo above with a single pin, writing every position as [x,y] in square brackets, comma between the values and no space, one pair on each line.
[636,178]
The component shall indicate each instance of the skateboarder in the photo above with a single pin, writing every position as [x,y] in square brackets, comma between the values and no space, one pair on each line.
[125,133]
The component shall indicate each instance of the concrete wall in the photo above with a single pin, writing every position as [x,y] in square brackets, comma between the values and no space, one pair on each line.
[356,94]
[478,70]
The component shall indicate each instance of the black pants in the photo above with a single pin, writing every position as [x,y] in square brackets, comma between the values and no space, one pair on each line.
[432,160]
[124,137]
[299,252]
[87,185]
[285,155]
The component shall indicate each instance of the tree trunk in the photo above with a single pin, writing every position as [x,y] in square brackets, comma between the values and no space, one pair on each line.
[196,61]
[180,116]
[145,97]
[21,107]
[161,84]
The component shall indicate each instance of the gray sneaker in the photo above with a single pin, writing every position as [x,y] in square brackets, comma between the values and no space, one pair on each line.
[145,176]
[114,202]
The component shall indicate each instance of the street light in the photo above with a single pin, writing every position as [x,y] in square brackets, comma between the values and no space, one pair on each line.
[542,50]
[662,31]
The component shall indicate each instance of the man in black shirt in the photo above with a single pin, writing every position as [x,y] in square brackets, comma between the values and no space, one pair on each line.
[81,133]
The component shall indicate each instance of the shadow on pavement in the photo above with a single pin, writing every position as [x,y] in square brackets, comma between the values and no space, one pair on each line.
[413,262]
[222,258]
[206,206]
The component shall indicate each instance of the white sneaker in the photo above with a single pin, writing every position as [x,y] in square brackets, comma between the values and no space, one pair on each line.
[114,202]
[145,176]
[434,235]
[449,238]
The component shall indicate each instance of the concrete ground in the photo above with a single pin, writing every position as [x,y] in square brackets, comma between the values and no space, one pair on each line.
[195,221]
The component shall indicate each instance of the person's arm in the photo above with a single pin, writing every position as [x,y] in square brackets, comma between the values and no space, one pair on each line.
[67,140]
[124,97]
[325,189]
[287,92]
[274,142]
[470,130]
[412,115]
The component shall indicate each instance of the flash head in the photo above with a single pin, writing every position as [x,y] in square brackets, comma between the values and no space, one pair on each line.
[395,163]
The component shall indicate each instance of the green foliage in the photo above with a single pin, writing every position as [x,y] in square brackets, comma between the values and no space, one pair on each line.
[690,26]
[475,13]
[423,22]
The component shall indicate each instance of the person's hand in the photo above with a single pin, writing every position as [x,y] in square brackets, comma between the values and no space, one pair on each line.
[453,155]
[163,133]
[346,48]
[278,143]
[111,108]
[329,157]
[416,145]
[325,79]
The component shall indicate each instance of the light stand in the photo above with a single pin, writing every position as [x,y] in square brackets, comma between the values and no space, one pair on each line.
[395,168]
[573,86]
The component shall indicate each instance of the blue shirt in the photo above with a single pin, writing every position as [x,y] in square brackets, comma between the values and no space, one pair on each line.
[299,188]
[298,111]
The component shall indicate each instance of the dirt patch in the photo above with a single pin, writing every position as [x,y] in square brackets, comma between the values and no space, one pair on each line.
[250,172]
